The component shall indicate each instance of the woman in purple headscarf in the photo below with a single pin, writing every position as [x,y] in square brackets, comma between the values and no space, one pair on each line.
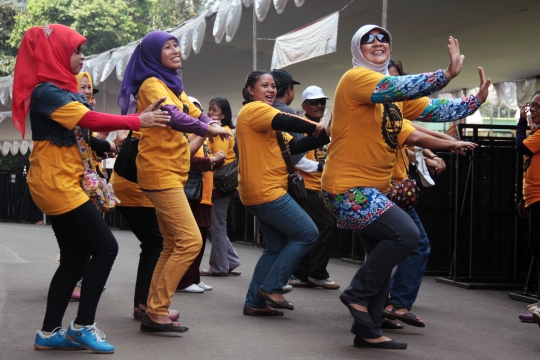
[163,165]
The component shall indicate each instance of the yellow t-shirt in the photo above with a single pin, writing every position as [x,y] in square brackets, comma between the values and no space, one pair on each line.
[226,146]
[55,173]
[262,173]
[362,150]
[208,176]
[399,172]
[163,160]
[531,170]
[312,180]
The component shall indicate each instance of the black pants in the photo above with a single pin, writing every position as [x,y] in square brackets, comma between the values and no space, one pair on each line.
[316,260]
[143,223]
[388,241]
[533,212]
[80,232]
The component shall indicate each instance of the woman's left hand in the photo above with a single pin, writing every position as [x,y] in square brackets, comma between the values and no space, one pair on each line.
[484,86]
[460,147]
[456,59]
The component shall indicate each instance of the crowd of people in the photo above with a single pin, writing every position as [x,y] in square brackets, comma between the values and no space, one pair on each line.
[374,106]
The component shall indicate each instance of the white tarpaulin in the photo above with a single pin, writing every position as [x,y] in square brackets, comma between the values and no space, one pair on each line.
[318,38]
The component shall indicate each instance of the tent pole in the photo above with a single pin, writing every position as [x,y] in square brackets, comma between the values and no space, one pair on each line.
[254,39]
[384,13]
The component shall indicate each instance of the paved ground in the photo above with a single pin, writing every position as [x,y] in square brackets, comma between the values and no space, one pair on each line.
[461,324]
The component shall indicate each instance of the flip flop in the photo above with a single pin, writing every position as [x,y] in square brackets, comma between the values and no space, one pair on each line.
[206,272]
[391,325]
[150,325]
[408,318]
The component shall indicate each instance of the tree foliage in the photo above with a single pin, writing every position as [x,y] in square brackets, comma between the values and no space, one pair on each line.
[106,24]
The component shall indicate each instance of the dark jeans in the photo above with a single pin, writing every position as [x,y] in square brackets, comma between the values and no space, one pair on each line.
[289,233]
[315,262]
[80,232]
[143,223]
[192,275]
[533,212]
[408,277]
[388,241]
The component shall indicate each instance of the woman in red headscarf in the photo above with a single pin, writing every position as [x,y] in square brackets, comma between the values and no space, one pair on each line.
[44,85]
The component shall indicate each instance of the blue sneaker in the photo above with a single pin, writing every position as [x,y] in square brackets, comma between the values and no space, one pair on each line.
[56,340]
[90,337]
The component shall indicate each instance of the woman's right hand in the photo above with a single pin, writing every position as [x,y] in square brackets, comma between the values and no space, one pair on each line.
[524,110]
[216,130]
[220,155]
[456,59]
[460,147]
[155,118]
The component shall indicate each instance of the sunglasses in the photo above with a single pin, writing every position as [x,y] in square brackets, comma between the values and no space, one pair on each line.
[315,102]
[78,50]
[370,38]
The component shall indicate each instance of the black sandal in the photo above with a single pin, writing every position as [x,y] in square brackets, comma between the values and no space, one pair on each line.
[390,325]
[252,312]
[390,344]
[149,325]
[408,318]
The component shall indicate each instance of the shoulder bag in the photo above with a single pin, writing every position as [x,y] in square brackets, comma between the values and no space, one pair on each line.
[226,178]
[98,190]
[125,164]
[296,187]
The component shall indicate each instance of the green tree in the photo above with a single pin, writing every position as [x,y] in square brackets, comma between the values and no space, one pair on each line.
[7,53]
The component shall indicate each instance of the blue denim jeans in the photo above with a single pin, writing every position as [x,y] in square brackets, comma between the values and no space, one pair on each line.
[289,233]
[409,273]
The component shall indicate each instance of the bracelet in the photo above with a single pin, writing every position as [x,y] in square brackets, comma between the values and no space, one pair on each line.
[214,122]
[433,157]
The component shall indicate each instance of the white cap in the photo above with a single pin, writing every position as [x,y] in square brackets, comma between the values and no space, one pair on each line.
[195,101]
[313,92]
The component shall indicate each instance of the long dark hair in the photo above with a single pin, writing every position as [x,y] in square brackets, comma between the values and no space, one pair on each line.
[225,107]
[251,80]
[398,65]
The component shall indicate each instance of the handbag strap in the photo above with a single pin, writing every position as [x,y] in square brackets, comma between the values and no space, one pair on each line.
[83,150]
[285,152]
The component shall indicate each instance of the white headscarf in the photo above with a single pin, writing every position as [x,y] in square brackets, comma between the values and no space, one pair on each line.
[358,58]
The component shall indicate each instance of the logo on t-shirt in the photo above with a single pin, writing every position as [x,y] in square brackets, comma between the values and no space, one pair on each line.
[392,120]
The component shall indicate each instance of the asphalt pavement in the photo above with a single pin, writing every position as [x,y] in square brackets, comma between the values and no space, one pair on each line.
[460,324]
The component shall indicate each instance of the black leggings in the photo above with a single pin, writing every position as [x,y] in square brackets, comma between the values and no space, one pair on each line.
[80,232]
[388,241]
[144,224]
[533,212]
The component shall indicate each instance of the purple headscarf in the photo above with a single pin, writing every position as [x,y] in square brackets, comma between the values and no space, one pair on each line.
[146,63]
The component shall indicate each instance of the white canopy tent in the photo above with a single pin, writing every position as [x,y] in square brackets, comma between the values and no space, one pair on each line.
[496,34]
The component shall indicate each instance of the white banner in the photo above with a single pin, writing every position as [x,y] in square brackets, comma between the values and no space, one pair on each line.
[316,39]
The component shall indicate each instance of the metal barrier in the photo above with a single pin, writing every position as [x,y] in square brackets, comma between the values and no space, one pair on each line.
[16,204]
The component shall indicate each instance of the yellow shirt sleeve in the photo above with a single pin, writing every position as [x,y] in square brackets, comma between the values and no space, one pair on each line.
[533,142]
[69,115]
[412,109]
[363,81]
[406,131]
[260,117]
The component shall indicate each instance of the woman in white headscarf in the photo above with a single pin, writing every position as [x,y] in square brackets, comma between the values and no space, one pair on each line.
[369,109]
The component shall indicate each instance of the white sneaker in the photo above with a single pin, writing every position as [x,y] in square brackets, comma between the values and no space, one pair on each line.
[204,286]
[191,289]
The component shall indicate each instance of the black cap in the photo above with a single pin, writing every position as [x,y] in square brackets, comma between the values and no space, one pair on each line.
[283,78]
[94,91]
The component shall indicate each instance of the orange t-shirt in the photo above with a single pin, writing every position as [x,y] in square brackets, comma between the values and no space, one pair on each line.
[399,172]
[531,170]
[362,150]
[55,173]
[163,160]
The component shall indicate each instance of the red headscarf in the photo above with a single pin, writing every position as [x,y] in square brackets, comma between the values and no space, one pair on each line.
[44,56]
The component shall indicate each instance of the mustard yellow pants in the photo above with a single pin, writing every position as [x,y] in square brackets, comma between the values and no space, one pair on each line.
[181,244]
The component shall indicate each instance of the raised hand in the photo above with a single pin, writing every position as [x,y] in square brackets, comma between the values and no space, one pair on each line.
[484,86]
[456,59]
[524,110]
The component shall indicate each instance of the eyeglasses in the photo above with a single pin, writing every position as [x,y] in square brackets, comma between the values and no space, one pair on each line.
[78,50]
[535,105]
[315,102]
[370,38]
